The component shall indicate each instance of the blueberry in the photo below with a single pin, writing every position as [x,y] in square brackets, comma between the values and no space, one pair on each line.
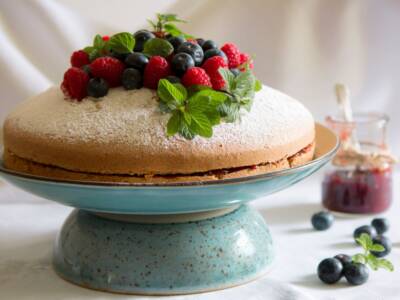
[137,60]
[193,50]
[200,42]
[364,229]
[176,41]
[86,69]
[322,220]
[97,87]
[330,270]
[235,71]
[356,273]
[131,79]
[344,259]
[181,62]
[173,79]
[209,44]
[385,242]
[120,56]
[215,52]
[141,37]
[381,225]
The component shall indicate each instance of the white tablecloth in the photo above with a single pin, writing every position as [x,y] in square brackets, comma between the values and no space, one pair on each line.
[28,226]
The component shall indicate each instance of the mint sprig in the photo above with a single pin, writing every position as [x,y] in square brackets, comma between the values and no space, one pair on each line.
[240,91]
[158,46]
[368,258]
[193,113]
[166,23]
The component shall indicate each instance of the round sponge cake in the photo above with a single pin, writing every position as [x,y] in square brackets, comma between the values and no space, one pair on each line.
[124,135]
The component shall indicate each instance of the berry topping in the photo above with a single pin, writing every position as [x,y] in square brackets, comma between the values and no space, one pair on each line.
[79,58]
[209,44]
[196,76]
[141,37]
[108,68]
[176,41]
[215,52]
[383,241]
[105,38]
[322,220]
[330,270]
[136,60]
[194,50]
[233,54]
[74,83]
[156,69]
[97,87]
[364,229]
[244,58]
[182,62]
[173,79]
[211,66]
[356,273]
[131,79]
[381,225]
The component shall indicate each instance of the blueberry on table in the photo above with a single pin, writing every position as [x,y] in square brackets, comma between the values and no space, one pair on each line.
[385,242]
[182,62]
[381,225]
[176,41]
[344,259]
[136,60]
[356,273]
[330,270]
[209,44]
[322,220]
[364,229]
[194,50]
[97,87]
[173,79]
[131,79]
[141,37]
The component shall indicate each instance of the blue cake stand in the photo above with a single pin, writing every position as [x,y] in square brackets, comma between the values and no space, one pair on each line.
[164,239]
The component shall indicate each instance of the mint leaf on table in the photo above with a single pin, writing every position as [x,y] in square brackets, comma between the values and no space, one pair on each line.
[375,263]
[122,42]
[158,46]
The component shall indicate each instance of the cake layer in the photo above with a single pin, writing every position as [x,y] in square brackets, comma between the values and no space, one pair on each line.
[125,133]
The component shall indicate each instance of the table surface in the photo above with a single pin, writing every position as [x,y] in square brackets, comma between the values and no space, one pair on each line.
[28,226]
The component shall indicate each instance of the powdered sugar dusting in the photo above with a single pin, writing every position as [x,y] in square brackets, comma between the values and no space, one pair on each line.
[132,118]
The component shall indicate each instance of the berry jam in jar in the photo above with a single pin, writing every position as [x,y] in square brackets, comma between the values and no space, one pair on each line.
[359,180]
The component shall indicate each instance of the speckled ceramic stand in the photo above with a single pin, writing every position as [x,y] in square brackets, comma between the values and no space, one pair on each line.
[166,258]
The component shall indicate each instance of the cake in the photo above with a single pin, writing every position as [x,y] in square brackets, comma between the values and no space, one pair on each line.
[177,115]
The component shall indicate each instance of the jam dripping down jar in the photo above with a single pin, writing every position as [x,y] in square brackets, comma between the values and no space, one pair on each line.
[359,179]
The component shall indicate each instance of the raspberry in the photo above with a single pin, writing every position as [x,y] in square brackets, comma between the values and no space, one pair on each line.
[79,58]
[211,66]
[108,68]
[105,38]
[244,57]
[156,69]
[233,54]
[196,76]
[75,83]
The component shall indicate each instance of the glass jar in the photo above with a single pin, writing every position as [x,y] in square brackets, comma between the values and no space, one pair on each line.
[359,180]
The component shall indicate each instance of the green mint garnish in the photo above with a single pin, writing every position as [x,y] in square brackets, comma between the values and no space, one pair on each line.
[193,113]
[368,258]
[98,49]
[122,42]
[166,23]
[158,46]
[240,90]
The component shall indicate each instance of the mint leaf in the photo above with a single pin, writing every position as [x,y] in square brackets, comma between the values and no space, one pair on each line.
[372,261]
[98,42]
[213,116]
[364,240]
[174,123]
[169,18]
[187,117]
[198,104]
[186,132]
[201,125]
[158,46]
[122,42]
[377,248]
[229,79]
[173,30]
[245,83]
[359,258]
[172,94]
[230,111]
[258,86]
[385,264]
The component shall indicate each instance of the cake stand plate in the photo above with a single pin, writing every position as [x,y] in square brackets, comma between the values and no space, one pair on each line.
[166,239]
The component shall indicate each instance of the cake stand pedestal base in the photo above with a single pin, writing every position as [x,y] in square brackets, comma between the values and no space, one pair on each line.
[163,255]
